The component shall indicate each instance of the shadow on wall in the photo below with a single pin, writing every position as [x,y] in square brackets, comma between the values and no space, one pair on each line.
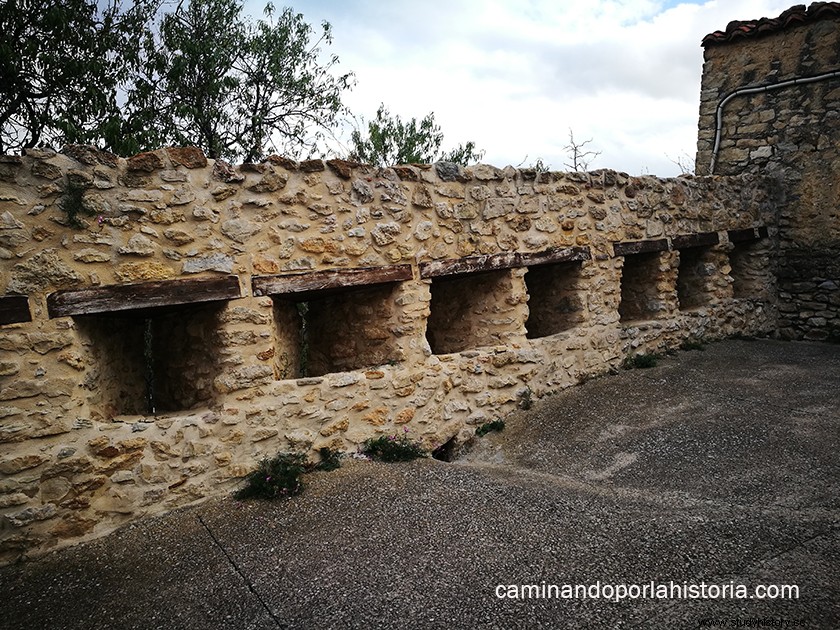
[154,361]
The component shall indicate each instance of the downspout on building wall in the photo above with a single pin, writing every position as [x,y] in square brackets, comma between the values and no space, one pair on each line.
[770,107]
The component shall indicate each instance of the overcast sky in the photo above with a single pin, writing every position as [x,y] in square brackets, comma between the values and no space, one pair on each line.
[515,76]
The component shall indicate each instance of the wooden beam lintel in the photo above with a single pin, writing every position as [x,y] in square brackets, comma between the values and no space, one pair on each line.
[700,239]
[142,295]
[627,248]
[680,241]
[14,309]
[304,284]
[748,234]
[497,262]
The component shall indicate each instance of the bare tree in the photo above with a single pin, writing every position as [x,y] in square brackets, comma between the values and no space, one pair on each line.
[580,157]
[684,162]
[538,165]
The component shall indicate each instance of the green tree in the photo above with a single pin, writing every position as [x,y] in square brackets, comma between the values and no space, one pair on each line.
[391,141]
[186,93]
[288,98]
[234,87]
[82,71]
[61,64]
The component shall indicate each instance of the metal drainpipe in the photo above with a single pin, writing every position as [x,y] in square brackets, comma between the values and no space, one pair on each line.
[757,90]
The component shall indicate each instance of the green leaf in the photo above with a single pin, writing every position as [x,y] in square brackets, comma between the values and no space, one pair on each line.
[391,141]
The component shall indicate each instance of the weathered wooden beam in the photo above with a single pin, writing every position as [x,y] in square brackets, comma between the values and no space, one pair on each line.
[14,309]
[554,255]
[748,234]
[640,247]
[142,295]
[496,262]
[301,285]
[701,239]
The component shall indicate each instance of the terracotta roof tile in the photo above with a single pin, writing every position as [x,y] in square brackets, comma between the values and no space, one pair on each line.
[794,16]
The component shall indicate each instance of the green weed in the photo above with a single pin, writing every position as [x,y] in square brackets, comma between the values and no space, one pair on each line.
[487,427]
[72,203]
[280,477]
[330,459]
[640,361]
[275,478]
[692,344]
[393,448]
[525,400]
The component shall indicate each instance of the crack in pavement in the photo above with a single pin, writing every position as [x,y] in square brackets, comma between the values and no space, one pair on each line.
[239,572]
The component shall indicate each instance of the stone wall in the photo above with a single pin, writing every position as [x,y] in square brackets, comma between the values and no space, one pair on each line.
[190,317]
[791,134]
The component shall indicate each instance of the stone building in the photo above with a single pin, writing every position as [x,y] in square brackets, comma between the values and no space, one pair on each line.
[770,104]
[168,320]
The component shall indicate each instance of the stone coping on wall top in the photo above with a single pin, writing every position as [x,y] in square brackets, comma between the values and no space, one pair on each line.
[302,285]
[14,309]
[508,260]
[140,296]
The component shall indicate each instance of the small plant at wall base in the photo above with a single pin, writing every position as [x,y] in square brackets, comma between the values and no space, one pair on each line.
[279,477]
[275,478]
[487,427]
[525,400]
[640,361]
[692,344]
[393,448]
[330,459]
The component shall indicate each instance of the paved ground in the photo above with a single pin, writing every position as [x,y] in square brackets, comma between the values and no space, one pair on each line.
[718,466]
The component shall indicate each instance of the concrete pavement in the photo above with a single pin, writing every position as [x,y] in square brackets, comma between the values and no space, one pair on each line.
[718,467]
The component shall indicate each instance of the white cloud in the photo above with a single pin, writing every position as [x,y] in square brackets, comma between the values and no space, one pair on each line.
[514,76]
